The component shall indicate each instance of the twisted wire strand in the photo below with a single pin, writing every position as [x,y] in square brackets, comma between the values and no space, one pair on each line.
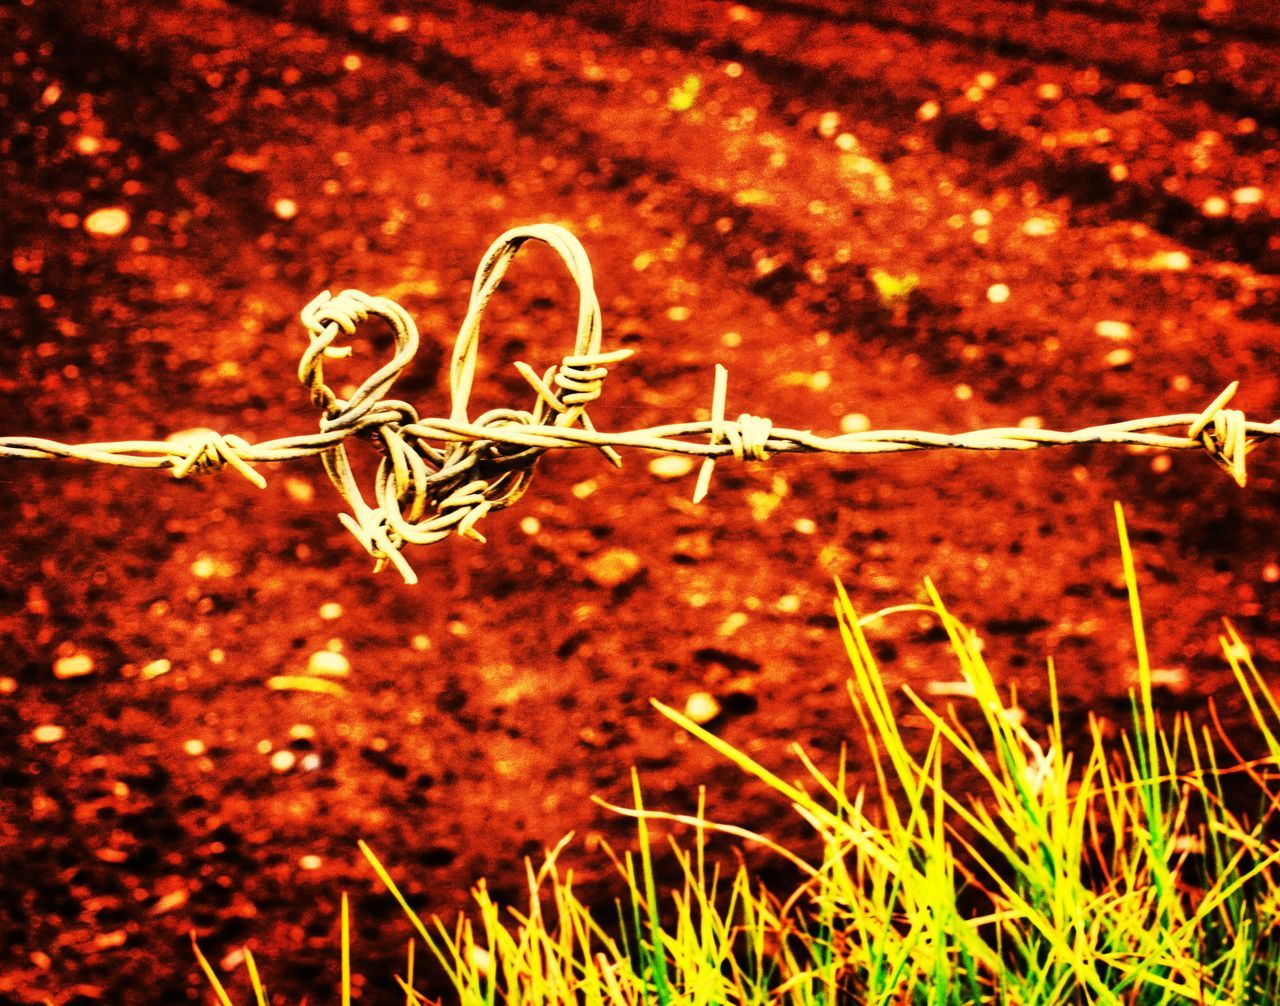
[441,476]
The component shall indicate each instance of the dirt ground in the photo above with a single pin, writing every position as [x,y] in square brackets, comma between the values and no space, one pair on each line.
[937,216]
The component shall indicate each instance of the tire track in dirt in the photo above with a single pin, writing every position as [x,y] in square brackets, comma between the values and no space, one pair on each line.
[1164,189]
[1177,15]
[845,302]
[1018,28]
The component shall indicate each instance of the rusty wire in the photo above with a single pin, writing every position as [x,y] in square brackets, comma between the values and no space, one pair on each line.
[441,476]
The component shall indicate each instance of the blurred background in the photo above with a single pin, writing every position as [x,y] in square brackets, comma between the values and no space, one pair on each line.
[887,214]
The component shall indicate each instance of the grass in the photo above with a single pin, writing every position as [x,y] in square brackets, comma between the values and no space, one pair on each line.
[1115,873]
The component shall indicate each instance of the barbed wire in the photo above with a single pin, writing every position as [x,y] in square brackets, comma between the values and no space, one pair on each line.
[441,476]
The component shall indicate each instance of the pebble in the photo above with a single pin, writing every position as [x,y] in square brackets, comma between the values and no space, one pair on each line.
[156,668]
[805,525]
[299,490]
[1173,261]
[702,707]
[671,466]
[283,760]
[998,293]
[1249,195]
[950,689]
[194,747]
[48,733]
[331,611]
[1119,358]
[302,732]
[328,663]
[285,209]
[110,222]
[1175,679]
[613,567]
[855,422]
[310,862]
[1113,330]
[1215,206]
[75,665]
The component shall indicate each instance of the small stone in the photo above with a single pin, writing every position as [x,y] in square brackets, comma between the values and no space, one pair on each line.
[1215,206]
[331,611]
[671,466]
[998,293]
[950,689]
[530,525]
[1174,679]
[855,422]
[8,685]
[329,664]
[701,707]
[1118,358]
[156,668]
[928,111]
[1118,330]
[1173,261]
[299,490]
[194,747]
[1039,227]
[311,862]
[1249,195]
[613,567]
[310,762]
[283,760]
[75,665]
[107,223]
[285,209]
[804,525]
[48,733]
[302,732]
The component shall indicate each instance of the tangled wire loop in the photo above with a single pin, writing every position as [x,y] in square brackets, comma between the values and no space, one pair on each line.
[441,476]
[423,492]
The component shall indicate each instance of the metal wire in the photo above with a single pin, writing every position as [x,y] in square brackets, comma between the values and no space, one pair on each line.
[441,476]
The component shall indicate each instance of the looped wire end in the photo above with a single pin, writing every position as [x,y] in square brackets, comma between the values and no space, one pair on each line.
[1223,433]
[209,451]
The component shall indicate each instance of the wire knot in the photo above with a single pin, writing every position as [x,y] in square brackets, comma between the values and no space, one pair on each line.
[346,311]
[426,491]
[1223,433]
[749,437]
[209,451]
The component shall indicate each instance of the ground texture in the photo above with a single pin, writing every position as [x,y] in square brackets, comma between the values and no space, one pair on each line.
[935,216]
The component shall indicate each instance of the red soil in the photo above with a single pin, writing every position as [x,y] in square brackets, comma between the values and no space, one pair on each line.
[740,175]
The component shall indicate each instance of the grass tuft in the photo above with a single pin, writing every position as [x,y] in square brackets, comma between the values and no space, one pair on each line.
[991,863]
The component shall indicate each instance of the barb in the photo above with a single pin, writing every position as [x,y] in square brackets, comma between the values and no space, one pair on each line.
[439,477]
